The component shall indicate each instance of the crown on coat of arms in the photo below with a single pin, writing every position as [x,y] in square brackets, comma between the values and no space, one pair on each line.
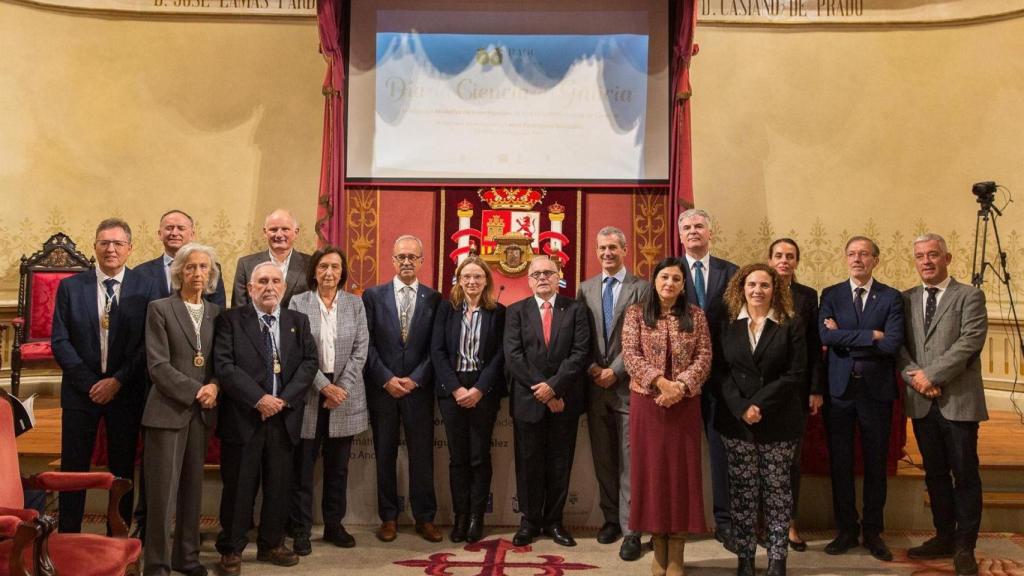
[512,198]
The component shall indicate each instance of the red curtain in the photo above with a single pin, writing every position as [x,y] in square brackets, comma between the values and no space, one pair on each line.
[330,211]
[680,178]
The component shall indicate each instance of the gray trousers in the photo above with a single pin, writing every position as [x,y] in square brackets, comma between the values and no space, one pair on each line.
[608,423]
[173,464]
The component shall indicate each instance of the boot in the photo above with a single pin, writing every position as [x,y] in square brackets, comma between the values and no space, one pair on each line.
[676,546]
[776,567]
[660,562]
[745,567]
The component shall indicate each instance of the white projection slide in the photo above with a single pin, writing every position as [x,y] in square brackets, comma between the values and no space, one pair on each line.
[539,106]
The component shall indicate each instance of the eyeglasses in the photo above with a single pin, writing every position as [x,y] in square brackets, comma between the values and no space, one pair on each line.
[406,257]
[117,244]
[542,274]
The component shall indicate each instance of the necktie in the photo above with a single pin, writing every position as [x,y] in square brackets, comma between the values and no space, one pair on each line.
[167,274]
[698,282]
[929,307]
[403,314]
[110,283]
[608,307]
[858,301]
[545,320]
[268,343]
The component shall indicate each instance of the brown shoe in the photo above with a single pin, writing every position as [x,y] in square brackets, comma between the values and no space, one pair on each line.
[279,556]
[229,565]
[429,532]
[388,531]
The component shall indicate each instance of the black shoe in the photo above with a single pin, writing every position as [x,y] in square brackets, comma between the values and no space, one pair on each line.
[931,549]
[339,537]
[776,567]
[524,537]
[745,567]
[459,528]
[725,535]
[559,535]
[199,570]
[964,563]
[630,549]
[797,545]
[302,546]
[475,530]
[609,533]
[842,544]
[877,547]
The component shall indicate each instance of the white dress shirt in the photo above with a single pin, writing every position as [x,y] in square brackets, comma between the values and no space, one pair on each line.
[867,290]
[754,334]
[706,262]
[282,265]
[328,334]
[275,337]
[398,285]
[620,277]
[101,308]
[938,295]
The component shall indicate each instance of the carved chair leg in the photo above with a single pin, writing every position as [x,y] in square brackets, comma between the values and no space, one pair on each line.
[44,566]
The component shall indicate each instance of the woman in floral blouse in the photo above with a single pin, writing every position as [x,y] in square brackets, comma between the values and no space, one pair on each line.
[667,351]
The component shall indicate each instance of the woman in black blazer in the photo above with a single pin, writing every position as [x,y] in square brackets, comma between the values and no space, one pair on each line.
[760,418]
[466,352]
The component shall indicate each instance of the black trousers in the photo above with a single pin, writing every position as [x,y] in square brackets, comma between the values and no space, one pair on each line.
[544,454]
[718,461]
[264,461]
[469,432]
[334,501]
[950,452]
[415,413]
[855,412]
[795,473]
[78,438]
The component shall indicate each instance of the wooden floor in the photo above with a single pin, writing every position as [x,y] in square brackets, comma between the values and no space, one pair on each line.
[44,438]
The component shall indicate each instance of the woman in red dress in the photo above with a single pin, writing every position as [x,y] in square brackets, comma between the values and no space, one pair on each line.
[667,351]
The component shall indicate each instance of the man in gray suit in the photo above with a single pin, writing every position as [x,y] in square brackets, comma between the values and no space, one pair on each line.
[281,229]
[607,296]
[946,327]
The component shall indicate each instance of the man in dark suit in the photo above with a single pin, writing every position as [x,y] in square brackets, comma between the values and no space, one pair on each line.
[784,257]
[400,388]
[98,333]
[706,279]
[941,361]
[176,229]
[861,322]
[281,229]
[547,350]
[265,357]
[606,297]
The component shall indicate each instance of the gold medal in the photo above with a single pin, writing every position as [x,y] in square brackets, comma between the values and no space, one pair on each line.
[277,367]
[199,361]
[105,322]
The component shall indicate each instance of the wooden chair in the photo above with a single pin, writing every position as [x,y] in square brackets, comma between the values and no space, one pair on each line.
[41,273]
[52,553]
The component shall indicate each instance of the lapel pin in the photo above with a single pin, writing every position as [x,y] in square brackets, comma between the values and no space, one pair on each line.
[293,330]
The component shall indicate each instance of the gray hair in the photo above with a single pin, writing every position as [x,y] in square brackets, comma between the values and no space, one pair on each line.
[874,247]
[261,265]
[931,236]
[694,212]
[613,231]
[178,265]
[404,237]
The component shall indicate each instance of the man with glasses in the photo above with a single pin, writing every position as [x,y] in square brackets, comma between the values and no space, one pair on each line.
[400,388]
[97,338]
[280,229]
[547,353]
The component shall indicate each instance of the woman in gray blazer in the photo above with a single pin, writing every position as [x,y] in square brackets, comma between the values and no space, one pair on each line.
[179,411]
[336,405]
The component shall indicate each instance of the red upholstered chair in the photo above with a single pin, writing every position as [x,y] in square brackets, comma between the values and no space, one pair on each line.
[37,295]
[52,553]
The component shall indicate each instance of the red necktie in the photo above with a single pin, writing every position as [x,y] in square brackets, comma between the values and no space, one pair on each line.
[545,318]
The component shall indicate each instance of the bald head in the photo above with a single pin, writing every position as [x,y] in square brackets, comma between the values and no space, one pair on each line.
[281,229]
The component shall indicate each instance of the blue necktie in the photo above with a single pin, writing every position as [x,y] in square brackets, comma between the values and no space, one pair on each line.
[929,307]
[110,283]
[268,342]
[608,307]
[698,282]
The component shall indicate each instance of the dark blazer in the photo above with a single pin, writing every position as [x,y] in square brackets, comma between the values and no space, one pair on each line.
[563,364]
[851,344]
[155,270]
[805,302]
[170,354]
[295,282]
[76,343]
[717,314]
[444,350]
[770,377]
[240,362]
[387,355]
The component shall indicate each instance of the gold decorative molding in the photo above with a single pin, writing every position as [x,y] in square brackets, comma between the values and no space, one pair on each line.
[362,236]
[651,232]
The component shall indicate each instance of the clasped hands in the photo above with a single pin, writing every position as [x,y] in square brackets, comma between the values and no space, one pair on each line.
[207,395]
[333,395]
[467,397]
[400,386]
[603,377]
[920,382]
[752,415]
[104,390]
[545,394]
[269,406]
[672,391]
